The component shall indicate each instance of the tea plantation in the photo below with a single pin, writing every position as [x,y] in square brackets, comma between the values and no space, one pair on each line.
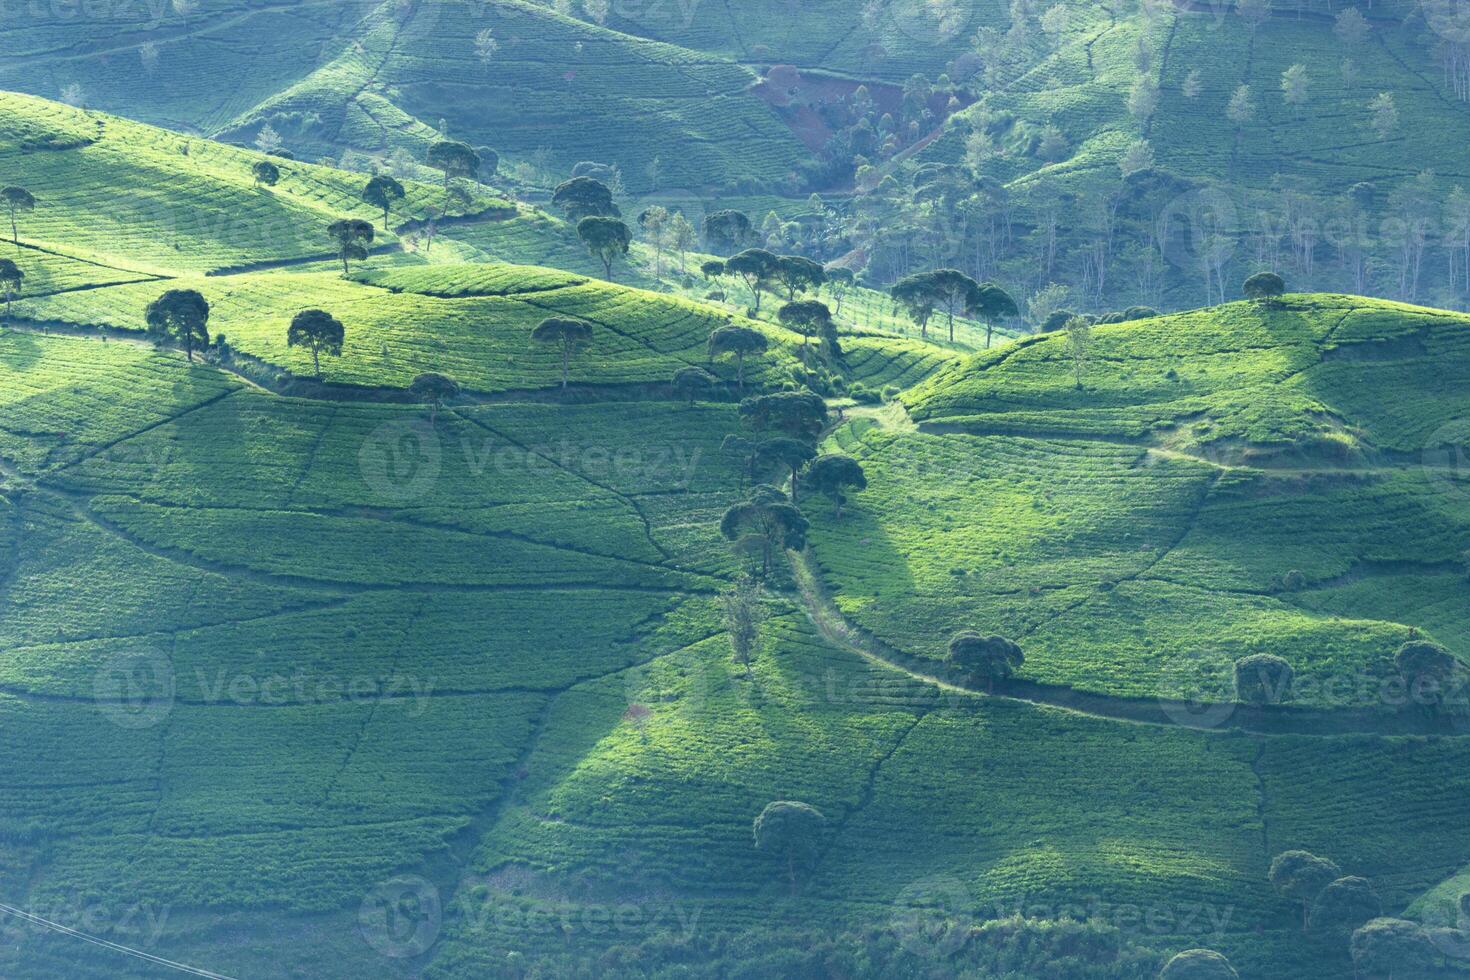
[367,675]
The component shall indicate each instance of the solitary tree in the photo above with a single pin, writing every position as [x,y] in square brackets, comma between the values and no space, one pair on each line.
[790,454]
[767,519]
[987,658]
[453,159]
[916,296]
[1345,905]
[1423,663]
[1198,964]
[745,612]
[654,222]
[319,332]
[808,317]
[682,236]
[691,381]
[381,192]
[1079,345]
[798,274]
[989,303]
[1301,876]
[737,342]
[1263,679]
[756,267]
[840,280]
[798,414]
[353,236]
[833,475]
[433,390]
[1294,88]
[584,197]
[10,281]
[712,270]
[17,200]
[180,316]
[1264,288]
[266,173]
[1385,114]
[606,238]
[952,291]
[726,231]
[1392,948]
[567,332]
[792,832]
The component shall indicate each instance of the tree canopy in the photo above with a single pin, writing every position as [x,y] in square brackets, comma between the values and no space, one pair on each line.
[984,658]
[833,475]
[180,316]
[17,200]
[353,236]
[584,197]
[381,192]
[791,831]
[319,332]
[454,159]
[569,333]
[737,342]
[799,414]
[606,238]
[756,267]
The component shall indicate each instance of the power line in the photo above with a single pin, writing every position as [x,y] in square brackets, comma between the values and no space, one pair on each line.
[67,930]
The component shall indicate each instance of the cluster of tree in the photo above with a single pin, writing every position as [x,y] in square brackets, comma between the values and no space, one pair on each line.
[783,431]
[588,204]
[762,272]
[921,294]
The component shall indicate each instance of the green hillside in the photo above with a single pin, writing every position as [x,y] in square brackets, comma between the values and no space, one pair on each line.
[508,627]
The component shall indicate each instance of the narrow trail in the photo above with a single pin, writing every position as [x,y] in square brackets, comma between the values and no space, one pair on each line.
[1164,712]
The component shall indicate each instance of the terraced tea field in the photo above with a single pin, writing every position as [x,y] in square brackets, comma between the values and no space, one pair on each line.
[330,678]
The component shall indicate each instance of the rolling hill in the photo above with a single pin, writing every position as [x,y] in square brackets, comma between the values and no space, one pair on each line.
[311,677]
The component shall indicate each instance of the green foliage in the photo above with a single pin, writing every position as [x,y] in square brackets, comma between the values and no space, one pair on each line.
[1198,964]
[319,332]
[180,316]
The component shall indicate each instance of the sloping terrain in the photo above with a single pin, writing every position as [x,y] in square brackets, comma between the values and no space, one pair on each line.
[314,679]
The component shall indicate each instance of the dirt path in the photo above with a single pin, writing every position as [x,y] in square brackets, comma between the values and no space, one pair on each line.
[841,632]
